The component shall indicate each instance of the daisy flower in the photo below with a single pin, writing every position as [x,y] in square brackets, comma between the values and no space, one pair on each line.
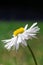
[21,35]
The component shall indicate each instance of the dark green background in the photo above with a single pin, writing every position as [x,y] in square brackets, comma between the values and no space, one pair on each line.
[23,55]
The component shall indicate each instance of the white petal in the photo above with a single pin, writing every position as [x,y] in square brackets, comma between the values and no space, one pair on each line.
[33,25]
[24,42]
[19,38]
[17,46]
[31,32]
[11,43]
[35,29]
[18,41]
[25,26]
[5,41]
[24,36]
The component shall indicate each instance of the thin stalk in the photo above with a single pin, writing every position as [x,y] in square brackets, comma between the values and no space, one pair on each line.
[32,54]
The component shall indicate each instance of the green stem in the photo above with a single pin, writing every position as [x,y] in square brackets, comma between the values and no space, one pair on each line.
[32,54]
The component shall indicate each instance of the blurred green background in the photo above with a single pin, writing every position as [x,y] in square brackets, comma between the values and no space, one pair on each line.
[23,55]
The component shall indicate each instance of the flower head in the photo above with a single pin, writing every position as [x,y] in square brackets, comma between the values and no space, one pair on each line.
[21,35]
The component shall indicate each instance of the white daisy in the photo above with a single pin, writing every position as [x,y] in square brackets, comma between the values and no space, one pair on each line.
[21,35]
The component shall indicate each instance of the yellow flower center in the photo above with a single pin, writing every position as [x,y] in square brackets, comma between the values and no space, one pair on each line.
[20,30]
